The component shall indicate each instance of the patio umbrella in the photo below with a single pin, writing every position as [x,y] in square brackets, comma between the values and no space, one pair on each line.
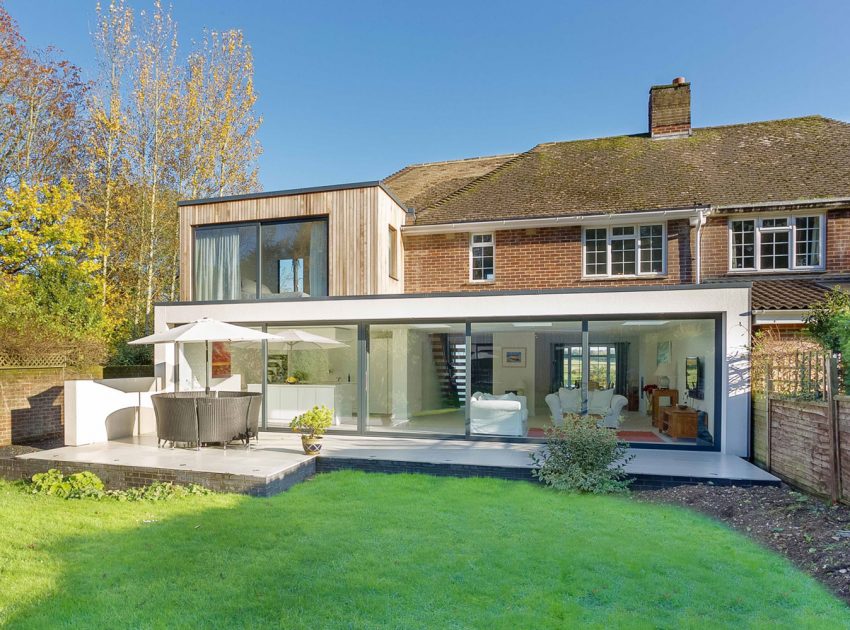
[296,339]
[206,330]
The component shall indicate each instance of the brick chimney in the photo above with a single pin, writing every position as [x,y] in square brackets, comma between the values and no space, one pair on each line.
[670,109]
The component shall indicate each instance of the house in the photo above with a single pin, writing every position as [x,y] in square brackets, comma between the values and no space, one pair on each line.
[483,298]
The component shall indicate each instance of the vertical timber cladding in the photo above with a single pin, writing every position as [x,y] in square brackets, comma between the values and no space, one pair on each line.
[358,233]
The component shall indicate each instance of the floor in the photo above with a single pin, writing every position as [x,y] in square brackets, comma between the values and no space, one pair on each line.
[275,453]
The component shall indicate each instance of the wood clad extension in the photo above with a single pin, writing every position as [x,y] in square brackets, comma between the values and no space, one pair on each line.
[358,234]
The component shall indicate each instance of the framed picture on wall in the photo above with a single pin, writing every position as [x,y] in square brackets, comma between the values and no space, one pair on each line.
[221,359]
[513,357]
[663,352]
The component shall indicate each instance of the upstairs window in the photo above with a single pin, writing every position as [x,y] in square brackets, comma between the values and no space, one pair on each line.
[776,243]
[393,252]
[249,261]
[628,250]
[482,256]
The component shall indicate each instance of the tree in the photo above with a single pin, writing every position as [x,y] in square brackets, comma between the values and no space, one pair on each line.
[41,102]
[49,291]
[108,127]
[155,80]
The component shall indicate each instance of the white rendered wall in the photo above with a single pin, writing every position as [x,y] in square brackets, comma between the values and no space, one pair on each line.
[732,302]
[97,411]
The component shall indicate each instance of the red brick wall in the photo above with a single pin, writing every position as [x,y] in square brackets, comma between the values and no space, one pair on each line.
[543,258]
[31,405]
[838,241]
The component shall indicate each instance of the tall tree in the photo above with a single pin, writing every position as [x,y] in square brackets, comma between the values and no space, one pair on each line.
[112,40]
[155,79]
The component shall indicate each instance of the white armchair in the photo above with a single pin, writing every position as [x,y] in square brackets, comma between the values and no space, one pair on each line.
[506,414]
[600,402]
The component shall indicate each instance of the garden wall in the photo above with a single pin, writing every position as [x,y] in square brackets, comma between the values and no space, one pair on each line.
[32,401]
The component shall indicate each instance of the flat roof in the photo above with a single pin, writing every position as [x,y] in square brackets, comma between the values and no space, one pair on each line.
[294,191]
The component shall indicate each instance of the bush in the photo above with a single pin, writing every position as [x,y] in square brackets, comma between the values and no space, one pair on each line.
[581,457]
[313,422]
[87,485]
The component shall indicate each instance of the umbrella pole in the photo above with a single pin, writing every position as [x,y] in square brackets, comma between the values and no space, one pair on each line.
[207,365]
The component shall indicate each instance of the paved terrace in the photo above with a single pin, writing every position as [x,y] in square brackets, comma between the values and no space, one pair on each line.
[277,462]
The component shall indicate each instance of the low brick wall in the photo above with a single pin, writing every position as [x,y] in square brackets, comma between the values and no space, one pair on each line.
[32,403]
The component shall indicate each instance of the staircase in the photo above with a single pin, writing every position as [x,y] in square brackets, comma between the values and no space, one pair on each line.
[449,352]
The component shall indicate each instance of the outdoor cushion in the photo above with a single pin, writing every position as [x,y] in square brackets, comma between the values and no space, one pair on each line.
[570,400]
[600,401]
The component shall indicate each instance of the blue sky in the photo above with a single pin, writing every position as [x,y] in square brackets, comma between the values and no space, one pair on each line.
[353,91]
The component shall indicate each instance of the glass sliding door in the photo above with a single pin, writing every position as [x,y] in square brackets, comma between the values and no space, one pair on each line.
[417,378]
[303,376]
[658,375]
[515,366]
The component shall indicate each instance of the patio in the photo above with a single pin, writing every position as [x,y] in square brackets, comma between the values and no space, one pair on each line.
[277,462]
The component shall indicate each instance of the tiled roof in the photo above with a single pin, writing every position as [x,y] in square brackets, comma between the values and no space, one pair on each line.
[783,160]
[420,185]
[786,294]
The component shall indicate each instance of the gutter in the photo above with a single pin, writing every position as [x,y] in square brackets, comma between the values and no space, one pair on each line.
[765,316]
[622,218]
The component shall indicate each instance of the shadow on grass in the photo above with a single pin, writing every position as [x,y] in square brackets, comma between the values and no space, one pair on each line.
[368,550]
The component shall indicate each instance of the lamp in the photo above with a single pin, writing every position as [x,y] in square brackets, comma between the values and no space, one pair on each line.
[664,372]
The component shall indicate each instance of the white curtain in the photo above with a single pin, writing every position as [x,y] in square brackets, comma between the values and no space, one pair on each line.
[318,258]
[217,264]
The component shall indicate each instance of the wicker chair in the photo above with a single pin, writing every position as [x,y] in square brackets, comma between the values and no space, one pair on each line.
[176,418]
[222,419]
[252,421]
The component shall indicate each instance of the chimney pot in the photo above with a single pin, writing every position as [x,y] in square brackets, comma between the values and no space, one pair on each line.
[679,81]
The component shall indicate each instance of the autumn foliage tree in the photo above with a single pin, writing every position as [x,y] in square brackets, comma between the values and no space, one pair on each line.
[109,159]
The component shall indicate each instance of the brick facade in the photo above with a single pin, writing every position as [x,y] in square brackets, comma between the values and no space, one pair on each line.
[541,258]
[31,402]
[551,258]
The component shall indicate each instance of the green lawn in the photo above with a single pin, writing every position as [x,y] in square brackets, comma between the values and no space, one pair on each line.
[359,550]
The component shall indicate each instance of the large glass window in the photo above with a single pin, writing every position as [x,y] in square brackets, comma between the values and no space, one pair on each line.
[631,359]
[627,250]
[294,257]
[776,243]
[226,262]
[417,378]
[515,367]
[301,376]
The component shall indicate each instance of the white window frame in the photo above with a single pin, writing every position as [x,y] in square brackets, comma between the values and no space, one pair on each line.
[472,243]
[792,242]
[609,229]
[392,252]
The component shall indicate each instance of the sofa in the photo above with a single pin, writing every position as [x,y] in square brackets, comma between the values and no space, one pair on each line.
[601,402]
[505,414]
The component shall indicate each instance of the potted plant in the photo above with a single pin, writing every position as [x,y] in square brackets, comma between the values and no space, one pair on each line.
[312,425]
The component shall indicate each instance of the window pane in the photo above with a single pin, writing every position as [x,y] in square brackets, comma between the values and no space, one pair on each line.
[483,266]
[623,257]
[628,230]
[226,263]
[596,252]
[651,249]
[808,241]
[743,245]
[295,258]
[774,250]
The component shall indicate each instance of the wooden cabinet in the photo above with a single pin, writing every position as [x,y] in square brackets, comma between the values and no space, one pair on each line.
[679,423]
[657,395]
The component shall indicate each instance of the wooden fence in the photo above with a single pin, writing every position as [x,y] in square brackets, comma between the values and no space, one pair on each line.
[801,424]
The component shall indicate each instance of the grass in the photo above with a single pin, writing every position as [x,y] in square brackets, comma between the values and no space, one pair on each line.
[354,550]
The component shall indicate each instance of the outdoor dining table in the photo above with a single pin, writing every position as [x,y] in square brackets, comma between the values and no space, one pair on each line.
[200,418]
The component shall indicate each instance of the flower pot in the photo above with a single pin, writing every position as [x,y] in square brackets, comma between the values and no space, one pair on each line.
[311,445]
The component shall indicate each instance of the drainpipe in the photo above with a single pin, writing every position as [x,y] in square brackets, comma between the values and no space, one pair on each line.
[698,222]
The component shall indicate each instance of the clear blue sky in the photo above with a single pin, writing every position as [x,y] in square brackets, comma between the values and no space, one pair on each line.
[353,91]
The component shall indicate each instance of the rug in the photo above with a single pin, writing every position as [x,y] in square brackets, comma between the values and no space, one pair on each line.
[628,436]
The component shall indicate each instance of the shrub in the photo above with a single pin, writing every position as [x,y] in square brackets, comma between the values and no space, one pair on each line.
[86,484]
[581,457]
[313,422]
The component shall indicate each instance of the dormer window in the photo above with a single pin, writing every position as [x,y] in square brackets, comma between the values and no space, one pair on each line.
[785,243]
